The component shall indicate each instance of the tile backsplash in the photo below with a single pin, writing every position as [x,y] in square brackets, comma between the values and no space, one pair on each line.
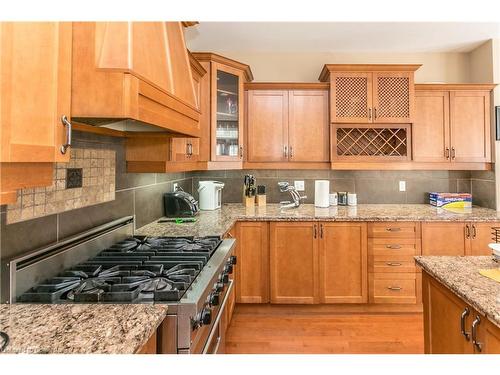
[97,186]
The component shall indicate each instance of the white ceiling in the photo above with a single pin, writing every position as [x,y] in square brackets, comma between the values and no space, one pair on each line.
[339,37]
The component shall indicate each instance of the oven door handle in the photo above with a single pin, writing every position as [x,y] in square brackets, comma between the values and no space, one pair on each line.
[216,323]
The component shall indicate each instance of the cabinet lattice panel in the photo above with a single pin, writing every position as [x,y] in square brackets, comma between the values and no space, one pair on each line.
[393,97]
[369,142]
[351,99]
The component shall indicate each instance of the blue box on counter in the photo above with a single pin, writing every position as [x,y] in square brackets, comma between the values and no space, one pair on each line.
[457,200]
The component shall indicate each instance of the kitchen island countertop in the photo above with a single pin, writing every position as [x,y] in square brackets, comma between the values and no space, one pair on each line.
[218,222]
[79,328]
[461,275]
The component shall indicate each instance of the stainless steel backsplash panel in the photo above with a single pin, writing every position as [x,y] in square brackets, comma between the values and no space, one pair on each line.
[23,272]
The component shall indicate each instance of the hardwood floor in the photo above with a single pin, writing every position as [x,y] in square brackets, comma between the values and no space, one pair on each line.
[271,329]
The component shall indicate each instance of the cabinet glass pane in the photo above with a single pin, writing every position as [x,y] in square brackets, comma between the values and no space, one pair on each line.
[227,132]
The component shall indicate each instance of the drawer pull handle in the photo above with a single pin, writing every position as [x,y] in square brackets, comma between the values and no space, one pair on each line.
[393,264]
[394,247]
[394,288]
[393,229]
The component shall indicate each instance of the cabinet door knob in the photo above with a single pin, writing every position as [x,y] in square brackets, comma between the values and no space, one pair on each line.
[476,343]
[464,315]
[67,124]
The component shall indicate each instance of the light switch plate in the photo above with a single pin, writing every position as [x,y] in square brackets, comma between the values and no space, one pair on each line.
[402,185]
[299,185]
[174,186]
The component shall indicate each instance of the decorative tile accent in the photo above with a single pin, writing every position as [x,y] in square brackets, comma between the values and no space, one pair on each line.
[97,186]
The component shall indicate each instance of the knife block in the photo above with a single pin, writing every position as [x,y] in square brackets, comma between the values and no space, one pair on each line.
[249,201]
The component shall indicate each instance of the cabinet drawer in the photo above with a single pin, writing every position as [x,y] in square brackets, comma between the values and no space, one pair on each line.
[393,230]
[393,288]
[391,263]
[393,246]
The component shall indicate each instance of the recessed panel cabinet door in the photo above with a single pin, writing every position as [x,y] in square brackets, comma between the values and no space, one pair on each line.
[252,275]
[470,126]
[35,89]
[351,97]
[442,314]
[343,263]
[431,129]
[444,238]
[267,126]
[481,236]
[308,129]
[294,262]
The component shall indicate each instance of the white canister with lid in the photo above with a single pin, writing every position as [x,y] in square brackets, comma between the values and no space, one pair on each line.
[334,200]
[352,199]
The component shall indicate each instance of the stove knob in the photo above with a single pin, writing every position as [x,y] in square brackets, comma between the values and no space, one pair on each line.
[228,268]
[214,299]
[232,259]
[224,278]
[206,316]
[219,286]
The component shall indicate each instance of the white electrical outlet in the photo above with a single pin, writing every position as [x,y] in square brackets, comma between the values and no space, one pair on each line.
[299,185]
[174,186]
[402,185]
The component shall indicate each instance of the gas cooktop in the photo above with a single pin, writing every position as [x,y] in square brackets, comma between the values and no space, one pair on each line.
[137,269]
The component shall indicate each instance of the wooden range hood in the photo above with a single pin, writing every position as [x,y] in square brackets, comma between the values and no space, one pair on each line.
[137,73]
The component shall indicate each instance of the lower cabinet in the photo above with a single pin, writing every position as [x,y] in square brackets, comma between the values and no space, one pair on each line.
[318,262]
[294,262]
[343,263]
[461,238]
[252,268]
[150,346]
[451,326]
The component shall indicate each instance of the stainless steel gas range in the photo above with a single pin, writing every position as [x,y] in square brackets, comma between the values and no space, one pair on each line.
[108,264]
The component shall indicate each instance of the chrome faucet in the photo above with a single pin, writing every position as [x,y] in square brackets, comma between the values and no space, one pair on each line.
[284,187]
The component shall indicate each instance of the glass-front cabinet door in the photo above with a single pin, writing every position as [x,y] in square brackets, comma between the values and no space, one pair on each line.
[227,110]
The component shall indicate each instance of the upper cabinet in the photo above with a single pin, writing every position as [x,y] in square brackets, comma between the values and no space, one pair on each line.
[287,124]
[452,123]
[35,101]
[222,107]
[370,93]
[133,70]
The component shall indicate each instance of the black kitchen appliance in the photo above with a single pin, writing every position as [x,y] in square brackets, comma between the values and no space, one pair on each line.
[180,204]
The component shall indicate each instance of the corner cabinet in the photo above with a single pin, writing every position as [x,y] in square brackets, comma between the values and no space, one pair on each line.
[287,125]
[222,105]
[452,124]
[370,93]
[35,101]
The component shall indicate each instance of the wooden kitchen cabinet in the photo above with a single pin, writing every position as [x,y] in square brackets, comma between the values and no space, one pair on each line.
[223,106]
[343,274]
[294,262]
[252,269]
[456,238]
[267,126]
[448,323]
[287,125]
[370,93]
[452,124]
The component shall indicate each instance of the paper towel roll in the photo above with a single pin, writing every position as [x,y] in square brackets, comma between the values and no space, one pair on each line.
[322,193]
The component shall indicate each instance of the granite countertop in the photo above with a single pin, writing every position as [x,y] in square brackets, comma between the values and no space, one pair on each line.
[79,328]
[220,221]
[461,276]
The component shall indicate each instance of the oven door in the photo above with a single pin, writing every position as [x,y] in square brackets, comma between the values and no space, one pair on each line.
[216,340]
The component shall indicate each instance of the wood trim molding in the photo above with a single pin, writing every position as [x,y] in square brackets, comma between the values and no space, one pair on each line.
[455,86]
[287,86]
[189,23]
[408,166]
[195,65]
[98,130]
[286,165]
[328,68]
[213,57]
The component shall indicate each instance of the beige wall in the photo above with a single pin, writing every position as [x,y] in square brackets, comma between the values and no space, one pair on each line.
[305,67]
[481,63]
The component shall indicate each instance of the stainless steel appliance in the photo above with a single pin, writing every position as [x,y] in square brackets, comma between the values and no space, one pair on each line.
[180,204]
[110,265]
